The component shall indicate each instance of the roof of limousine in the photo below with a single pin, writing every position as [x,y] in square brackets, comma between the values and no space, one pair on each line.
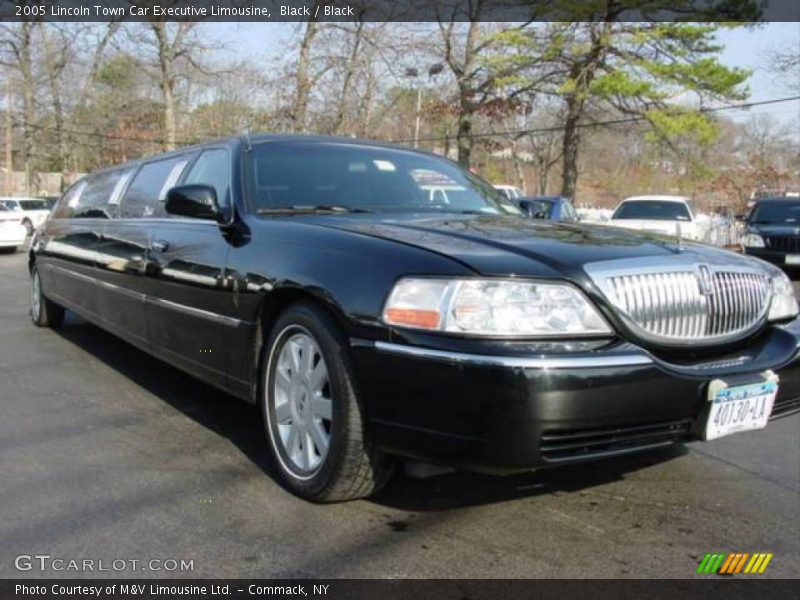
[262,138]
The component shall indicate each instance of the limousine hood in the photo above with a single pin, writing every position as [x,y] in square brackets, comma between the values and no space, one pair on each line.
[497,245]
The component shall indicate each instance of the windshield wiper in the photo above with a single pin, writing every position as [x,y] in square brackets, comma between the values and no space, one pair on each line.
[300,208]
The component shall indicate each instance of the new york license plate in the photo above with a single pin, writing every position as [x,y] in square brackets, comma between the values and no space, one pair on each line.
[740,407]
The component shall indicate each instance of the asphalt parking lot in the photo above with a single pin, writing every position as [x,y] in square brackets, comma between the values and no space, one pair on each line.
[106,453]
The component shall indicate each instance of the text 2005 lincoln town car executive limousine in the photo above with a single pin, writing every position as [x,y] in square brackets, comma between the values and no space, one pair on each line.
[378,302]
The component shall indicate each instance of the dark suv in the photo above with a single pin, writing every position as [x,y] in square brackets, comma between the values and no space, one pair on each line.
[772,232]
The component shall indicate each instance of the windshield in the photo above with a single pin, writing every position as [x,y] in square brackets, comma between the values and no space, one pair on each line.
[34,205]
[776,213]
[296,175]
[652,210]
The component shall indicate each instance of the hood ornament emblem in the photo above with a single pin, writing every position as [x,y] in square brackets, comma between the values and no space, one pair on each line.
[678,238]
[706,283]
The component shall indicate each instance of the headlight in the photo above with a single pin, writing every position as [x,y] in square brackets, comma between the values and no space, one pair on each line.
[752,240]
[492,308]
[784,301]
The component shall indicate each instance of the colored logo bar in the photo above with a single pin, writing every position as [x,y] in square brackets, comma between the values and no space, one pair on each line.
[730,563]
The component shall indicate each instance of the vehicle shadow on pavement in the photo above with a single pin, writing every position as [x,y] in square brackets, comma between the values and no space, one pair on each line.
[241,423]
[463,489]
[210,407]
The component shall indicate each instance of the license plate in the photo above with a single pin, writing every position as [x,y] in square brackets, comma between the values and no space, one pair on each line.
[793,259]
[740,407]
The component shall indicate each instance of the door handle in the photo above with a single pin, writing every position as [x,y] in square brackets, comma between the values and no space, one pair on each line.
[159,246]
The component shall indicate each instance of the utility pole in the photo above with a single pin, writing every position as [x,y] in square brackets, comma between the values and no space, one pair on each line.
[9,154]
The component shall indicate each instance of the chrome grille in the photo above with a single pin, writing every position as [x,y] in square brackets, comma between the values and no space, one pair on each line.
[675,306]
[783,243]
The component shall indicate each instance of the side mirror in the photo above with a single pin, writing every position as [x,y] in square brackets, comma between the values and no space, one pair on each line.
[195,200]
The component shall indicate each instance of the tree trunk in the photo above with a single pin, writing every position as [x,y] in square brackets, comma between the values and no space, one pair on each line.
[542,174]
[28,104]
[54,68]
[464,133]
[571,143]
[582,75]
[466,108]
[303,78]
[349,74]
[167,83]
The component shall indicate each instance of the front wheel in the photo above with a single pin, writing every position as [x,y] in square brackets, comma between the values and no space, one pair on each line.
[312,412]
[44,312]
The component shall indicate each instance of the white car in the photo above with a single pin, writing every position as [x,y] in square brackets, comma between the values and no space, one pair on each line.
[511,192]
[35,211]
[12,231]
[658,214]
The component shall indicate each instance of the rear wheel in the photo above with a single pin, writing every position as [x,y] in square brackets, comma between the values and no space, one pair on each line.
[312,412]
[44,312]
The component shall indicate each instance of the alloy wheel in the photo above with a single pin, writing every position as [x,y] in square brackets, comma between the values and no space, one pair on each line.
[302,403]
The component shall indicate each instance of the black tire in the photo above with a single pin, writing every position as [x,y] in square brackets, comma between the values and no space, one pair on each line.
[45,312]
[353,467]
[9,249]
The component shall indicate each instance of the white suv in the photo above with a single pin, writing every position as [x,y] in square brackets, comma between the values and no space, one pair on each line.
[35,211]
[659,214]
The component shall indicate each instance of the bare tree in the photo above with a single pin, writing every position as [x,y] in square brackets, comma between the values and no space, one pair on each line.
[17,57]
[304,81]
[764,142]
[57,47]
[171,54]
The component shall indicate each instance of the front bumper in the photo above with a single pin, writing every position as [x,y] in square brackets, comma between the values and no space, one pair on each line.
[775,257]
[518,411]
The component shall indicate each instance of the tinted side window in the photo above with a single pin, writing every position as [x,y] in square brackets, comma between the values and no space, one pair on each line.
[66,205]
[97,199]
[213,168]
[146,194]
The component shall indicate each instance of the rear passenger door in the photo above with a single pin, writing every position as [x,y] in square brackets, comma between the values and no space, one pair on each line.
[190,301]
[69,243]
[123,251]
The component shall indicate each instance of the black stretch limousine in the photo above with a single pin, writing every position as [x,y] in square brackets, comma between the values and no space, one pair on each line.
[379,302]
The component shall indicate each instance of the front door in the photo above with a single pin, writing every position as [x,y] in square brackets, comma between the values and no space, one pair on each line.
[190,301]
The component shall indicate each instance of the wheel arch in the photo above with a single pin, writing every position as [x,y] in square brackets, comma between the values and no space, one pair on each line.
[271,307]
